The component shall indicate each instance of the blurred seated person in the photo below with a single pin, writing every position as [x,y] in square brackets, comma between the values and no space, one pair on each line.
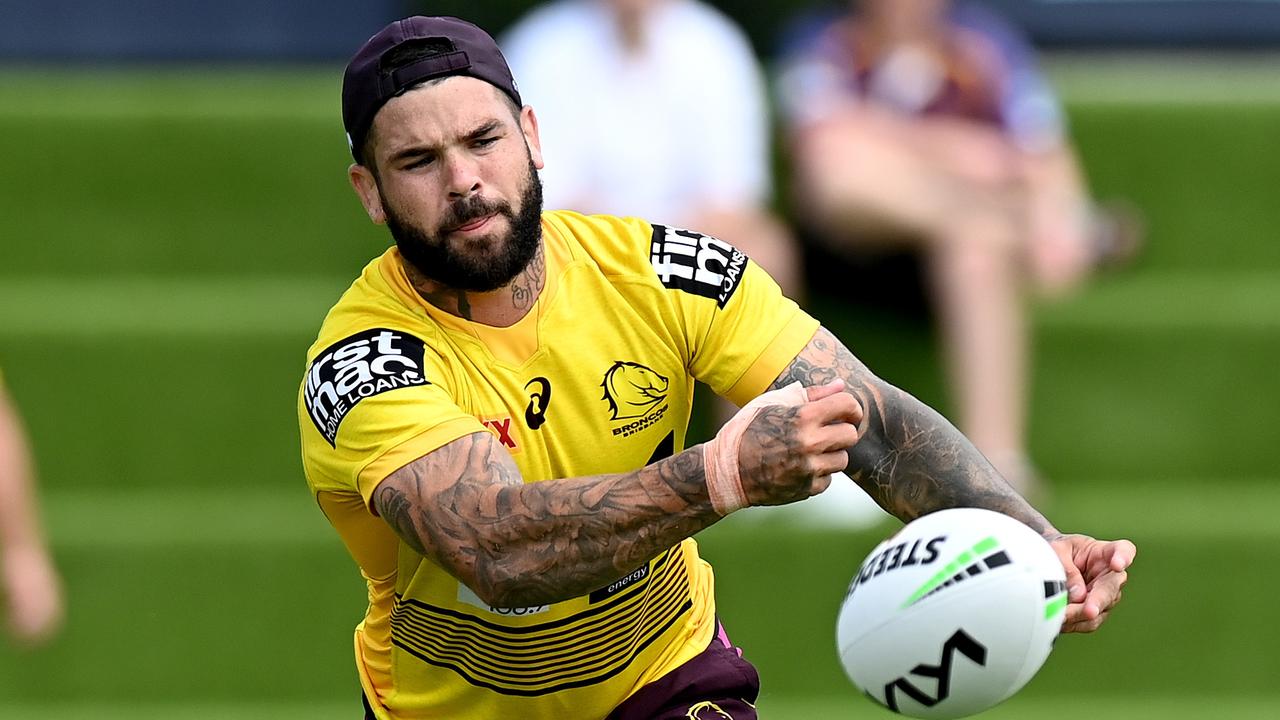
[30,590]
[655,108]
[925,126]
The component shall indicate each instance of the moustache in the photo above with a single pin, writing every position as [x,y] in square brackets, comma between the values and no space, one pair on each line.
[473,208]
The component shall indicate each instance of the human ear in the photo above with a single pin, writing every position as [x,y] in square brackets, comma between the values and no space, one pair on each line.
[529,127]
[366,187]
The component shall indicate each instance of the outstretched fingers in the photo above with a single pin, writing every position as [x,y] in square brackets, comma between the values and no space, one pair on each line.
[1118,555]
[1103,594]
[1084,625]
[1096,575]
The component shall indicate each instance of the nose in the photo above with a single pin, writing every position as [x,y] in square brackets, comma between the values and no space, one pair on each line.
[464,175]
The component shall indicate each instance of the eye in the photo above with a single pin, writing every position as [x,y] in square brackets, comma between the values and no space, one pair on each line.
[485,142]
[421,161]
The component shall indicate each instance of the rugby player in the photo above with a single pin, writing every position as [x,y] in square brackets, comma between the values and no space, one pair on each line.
[493,418]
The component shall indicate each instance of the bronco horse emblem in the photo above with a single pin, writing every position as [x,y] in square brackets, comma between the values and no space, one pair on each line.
[632,390]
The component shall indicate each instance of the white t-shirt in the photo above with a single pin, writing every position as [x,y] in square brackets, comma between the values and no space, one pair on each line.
[678,128]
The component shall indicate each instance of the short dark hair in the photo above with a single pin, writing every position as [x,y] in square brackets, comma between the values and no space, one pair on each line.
[434,47]
[397,57]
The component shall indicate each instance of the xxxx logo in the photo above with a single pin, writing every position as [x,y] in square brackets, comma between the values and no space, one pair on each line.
[501,429]
[959,642]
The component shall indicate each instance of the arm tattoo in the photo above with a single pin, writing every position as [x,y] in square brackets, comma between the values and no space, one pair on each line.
[908,457]
[396,508]
[466,507]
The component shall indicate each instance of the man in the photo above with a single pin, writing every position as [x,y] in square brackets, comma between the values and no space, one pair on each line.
[493,419]
[925,127]
[31,589]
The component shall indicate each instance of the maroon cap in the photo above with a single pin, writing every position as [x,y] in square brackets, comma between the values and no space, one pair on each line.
[449,47]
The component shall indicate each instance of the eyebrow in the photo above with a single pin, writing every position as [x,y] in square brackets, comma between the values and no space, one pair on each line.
[418,150]
[483,130]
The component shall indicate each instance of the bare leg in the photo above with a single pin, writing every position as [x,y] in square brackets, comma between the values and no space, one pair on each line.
[958,190]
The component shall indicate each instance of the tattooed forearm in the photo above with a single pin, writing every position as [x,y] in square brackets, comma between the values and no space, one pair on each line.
[519,544]
[396,508]
[908,457]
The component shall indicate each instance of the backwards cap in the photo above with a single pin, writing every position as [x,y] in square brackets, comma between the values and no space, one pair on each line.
[451,47]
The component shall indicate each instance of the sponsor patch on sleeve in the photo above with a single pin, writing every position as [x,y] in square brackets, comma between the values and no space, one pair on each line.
[366,364]
[696,263]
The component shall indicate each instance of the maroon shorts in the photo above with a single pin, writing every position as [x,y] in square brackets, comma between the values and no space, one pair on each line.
[716,684]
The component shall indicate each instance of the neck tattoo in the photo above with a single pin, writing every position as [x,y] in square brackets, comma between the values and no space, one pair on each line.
[524,288]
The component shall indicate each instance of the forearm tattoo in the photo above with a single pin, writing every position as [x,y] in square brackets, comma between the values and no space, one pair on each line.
[908,457]
[516,544]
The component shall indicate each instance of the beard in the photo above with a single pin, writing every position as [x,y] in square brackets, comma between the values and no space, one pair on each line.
[460,267]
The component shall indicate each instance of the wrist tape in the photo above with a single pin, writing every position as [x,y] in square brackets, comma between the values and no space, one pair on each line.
[720,460]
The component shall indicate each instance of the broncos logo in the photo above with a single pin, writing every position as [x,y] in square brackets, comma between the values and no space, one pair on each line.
[632,390]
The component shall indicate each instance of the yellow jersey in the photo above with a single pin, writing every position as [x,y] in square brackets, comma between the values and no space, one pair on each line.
[598,377]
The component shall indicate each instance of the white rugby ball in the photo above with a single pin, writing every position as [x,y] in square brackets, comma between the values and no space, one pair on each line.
[952,614]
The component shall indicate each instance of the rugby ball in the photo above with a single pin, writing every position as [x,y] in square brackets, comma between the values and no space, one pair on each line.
[952,614]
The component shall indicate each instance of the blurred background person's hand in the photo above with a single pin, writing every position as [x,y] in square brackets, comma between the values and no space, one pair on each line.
[32,591]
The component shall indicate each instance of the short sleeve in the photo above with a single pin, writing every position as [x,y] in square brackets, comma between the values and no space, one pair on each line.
[742,332]
[371,403]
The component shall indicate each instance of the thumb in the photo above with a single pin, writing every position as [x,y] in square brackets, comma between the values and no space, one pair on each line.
[1076,588]
[817,392]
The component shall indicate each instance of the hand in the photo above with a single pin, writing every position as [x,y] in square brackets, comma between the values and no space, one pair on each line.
[1059,252]
[788,452]
[34,595]
[1096,572]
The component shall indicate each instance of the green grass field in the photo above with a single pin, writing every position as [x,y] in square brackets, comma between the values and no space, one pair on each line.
[169,243]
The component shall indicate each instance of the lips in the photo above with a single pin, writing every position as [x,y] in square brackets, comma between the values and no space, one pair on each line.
[474,224]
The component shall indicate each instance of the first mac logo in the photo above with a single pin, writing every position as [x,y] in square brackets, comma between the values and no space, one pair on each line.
[361,366]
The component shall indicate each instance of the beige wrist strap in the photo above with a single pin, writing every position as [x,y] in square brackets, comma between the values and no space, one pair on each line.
[720,460]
